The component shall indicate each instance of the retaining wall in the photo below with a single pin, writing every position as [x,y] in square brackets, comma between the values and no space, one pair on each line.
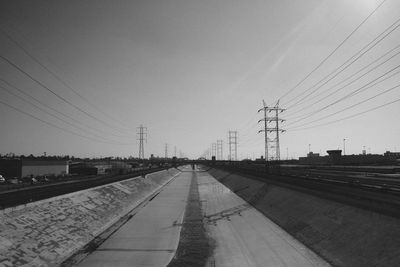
[46,232]
[342,234]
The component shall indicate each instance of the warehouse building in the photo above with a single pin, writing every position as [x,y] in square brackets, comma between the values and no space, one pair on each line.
[43,167]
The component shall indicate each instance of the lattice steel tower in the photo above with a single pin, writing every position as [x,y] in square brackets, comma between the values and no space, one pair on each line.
[220,155]
[232,141]
[166,151]
[272,147]
[142,132]
[214,150]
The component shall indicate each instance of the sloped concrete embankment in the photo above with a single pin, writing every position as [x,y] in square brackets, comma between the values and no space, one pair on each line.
[45,233]
[342,234]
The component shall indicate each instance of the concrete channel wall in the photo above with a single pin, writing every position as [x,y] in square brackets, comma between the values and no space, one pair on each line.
[342,234]
[46,232]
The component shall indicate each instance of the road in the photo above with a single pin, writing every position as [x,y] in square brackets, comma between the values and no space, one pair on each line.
[245,237]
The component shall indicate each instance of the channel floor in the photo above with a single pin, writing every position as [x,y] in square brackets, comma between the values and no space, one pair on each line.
[245,237]
[151,236]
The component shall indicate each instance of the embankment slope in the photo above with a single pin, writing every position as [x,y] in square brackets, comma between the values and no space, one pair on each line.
[342,234]
[46,232]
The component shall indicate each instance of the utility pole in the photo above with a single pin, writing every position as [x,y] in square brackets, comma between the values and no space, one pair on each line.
[175,151]
[344,146]
[232,141]
[166,151]
[272,143]
[142,132]
[219,150]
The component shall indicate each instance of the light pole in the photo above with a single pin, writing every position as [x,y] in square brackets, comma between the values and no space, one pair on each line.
[309,148]
[344,146]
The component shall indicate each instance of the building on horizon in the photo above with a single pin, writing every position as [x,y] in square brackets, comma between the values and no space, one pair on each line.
[43,167]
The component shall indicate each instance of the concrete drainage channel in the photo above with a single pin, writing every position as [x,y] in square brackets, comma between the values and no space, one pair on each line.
[97,241]
[195,246]
[342,234]
[63,229]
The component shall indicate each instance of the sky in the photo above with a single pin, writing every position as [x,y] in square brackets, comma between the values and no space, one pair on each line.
[190,71]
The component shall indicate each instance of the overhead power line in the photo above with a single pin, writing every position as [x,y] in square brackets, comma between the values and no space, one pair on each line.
[248,122]
[332,52]
[55,110]
[351,116]
[51,114]
[350,61]
[354,92]
[58,127]
[347,108]
[57,77]
[252,142]
[54,93]
[346,79]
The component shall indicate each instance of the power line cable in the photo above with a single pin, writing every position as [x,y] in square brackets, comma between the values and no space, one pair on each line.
[357,91]
[252,143]
[55,110]
[337,73]
[245,125]
[56,126]
[341,88]
[54,93]
[351,116]
[57,77]
[343,69]
[346,79]
[250,130]
[53,115]
[347,108]
[332,52]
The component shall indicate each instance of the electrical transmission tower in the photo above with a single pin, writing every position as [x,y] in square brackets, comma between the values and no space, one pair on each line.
[219,150]
[272,149]
[232,141]
[142,132]
[166,151]
[207,154]
[213,150]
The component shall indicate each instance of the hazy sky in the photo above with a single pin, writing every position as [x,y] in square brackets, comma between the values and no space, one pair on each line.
[190,71]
